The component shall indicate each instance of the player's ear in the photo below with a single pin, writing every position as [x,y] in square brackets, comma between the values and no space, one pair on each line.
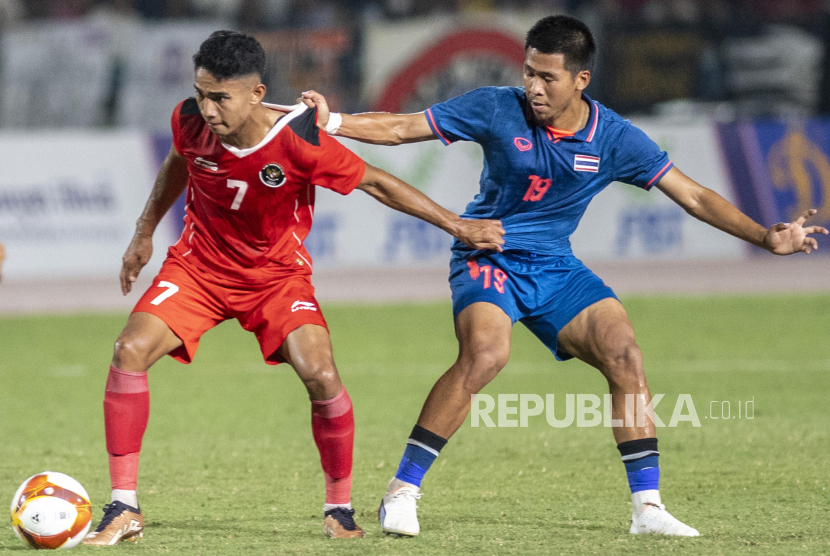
[583,79]
[258,93]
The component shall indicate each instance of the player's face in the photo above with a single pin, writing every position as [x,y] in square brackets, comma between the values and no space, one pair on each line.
[551,88]
[226,105]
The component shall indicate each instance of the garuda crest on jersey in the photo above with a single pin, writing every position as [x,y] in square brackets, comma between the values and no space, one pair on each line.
[272,175]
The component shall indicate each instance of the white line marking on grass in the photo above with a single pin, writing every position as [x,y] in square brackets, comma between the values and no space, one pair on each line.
[68,371]
[260,369]
[747,365]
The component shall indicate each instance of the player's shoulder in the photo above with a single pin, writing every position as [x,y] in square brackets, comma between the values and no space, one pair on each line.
[188,125]
[187,118]
[610,118]
[612,126]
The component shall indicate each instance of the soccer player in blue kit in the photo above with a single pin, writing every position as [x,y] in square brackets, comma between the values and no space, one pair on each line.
[548,150]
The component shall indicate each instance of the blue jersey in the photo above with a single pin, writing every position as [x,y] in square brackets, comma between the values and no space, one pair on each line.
[537,182]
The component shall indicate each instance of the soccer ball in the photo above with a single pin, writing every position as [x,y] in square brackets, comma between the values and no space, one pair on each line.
[51,510]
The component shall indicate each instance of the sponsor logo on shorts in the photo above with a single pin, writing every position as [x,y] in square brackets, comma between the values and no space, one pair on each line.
[207,164]
[272,175]
[303,306]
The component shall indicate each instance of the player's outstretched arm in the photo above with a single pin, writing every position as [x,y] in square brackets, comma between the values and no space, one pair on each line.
[704,204]
[170,182]
[399,195]
[379,128]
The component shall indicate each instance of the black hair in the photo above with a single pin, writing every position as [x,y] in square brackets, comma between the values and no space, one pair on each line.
[560,34]
[229,54]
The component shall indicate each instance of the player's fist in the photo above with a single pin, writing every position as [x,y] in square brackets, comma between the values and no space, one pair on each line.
[793,237]
[137,255]
[312,99]
[481,234]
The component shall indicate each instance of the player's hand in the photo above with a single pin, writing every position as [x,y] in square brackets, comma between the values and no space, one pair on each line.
[792,237]
[312,99]
[481,234]
[137,255]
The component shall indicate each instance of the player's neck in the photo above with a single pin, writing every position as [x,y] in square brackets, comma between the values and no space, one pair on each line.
[574,118]
[254,130]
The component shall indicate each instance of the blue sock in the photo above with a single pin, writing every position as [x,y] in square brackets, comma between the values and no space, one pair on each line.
[422,448]
[641,464]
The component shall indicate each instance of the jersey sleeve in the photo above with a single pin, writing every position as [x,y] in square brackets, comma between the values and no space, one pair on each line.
[639,160]
[468,117]
[337,168]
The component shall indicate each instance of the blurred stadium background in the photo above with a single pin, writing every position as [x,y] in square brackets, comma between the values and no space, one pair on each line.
[735,90]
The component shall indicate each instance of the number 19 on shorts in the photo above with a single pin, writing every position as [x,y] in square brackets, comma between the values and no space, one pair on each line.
[492,277]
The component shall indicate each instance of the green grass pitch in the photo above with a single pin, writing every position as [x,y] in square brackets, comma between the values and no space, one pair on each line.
[229,465]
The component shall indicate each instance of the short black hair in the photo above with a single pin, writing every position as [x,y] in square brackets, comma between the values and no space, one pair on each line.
[229,54]
[560,34]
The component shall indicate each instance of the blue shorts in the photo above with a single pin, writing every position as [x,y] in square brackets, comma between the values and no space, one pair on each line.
[544,293]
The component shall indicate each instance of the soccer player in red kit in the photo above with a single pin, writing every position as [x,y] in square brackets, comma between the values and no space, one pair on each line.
[250,171]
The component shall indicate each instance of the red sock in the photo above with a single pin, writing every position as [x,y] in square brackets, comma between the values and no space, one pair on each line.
[332,424]
[126,411]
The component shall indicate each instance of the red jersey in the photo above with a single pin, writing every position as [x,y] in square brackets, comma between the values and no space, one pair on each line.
[248,211]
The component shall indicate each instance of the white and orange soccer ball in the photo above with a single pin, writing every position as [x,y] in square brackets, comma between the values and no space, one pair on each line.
[51,510]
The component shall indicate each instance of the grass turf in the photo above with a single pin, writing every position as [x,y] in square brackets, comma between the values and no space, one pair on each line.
[229,465]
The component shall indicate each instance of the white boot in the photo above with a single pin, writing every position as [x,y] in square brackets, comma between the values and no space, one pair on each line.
[398,509]
[649,515]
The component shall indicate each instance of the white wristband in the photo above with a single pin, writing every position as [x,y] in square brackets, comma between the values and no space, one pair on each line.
[335,119]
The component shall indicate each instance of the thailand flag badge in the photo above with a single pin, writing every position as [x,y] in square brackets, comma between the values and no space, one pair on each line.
[585,163]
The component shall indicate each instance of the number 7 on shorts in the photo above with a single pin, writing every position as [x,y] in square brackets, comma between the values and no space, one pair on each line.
[171,289]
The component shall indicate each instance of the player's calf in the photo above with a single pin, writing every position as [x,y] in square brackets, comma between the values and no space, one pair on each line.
[332,425]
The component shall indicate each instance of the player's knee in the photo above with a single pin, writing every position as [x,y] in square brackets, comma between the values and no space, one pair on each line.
[319,377]
[483,365]
[624,363]
[131,353]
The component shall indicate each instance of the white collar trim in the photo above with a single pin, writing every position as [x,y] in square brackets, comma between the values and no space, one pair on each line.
[293,111]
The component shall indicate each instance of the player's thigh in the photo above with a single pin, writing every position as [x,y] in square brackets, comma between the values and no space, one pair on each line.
[485,300]
[565,289]
[186,302]
[599,334]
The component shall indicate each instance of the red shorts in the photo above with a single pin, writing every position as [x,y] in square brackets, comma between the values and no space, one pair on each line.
[191,301]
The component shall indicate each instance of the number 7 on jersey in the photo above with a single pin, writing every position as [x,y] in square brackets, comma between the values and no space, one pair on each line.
[243,187]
